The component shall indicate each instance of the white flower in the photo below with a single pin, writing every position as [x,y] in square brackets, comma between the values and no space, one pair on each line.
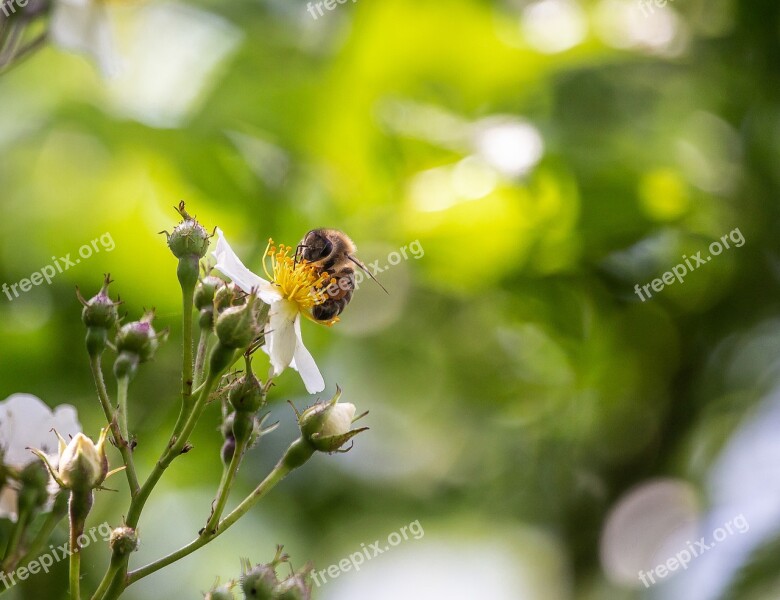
[327,426]
[85,26]
[26,422]
[339,420]
[295,288]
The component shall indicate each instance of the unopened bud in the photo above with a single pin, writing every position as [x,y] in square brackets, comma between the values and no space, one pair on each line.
[295,587]
[189,238]
[327,426]
[137,338]
[228,295]
[99,315]
[123,541]
[238,326]
[247,394]
[259,582]
[221,592]
[206,290]
[228,450]
[83,464]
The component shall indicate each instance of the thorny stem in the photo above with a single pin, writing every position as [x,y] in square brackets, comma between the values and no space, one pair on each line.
[121,393]
[200,356]
[116,582]
[223,491]
[274,477]
[121,441]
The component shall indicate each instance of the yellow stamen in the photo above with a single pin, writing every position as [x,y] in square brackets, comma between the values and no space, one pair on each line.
[298,281]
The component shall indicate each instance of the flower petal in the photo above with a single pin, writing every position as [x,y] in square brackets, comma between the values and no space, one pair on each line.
[303,362]
[281,334]
[25,421]
[229,264]
[86,27]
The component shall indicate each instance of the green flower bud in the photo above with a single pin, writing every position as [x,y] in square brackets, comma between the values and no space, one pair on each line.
[99,315]
[259,582]
[205,291]
[228,295]
[100,310]
[221,357]
[189,238]
[247,394]
[123,541]
[294,587]
[238,326]
[228,450]
[126,364]
[326,426]
[226,428]
[139,338]
[222,592]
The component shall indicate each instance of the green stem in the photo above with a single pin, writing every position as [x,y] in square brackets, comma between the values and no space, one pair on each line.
[121,441]
[137,504]
[200,355]
[187,294]
[118,580]
[186,366]
[75,575]
[113,568]
[274,477]
[121,409]
[223,492]
[20,527]
[79,506]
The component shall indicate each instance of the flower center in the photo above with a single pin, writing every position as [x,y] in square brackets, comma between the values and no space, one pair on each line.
[298,281]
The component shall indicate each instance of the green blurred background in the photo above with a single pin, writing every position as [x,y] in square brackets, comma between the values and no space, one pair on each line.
[547,157]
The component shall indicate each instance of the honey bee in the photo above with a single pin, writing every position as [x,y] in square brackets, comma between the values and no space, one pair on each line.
[331,251]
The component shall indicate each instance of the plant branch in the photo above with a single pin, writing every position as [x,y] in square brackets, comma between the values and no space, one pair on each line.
[121,442]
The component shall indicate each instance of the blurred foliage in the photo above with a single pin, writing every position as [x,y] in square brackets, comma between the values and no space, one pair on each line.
[517,385]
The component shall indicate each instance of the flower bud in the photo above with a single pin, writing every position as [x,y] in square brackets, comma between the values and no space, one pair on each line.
[136,343]
[189,238]
[100,310]
[258,582]
[294,587]
[204,300]
[125,365]
[238,326]
[206,290]
[221,592]
[228,450]
[99,315]
[326,426]
[123,541]
[189,242]
[228,295]
[247,394]
[83,464]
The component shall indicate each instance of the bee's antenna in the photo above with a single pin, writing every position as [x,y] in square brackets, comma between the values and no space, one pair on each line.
[366,271]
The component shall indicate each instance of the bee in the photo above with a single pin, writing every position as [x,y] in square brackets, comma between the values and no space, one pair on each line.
[331,251]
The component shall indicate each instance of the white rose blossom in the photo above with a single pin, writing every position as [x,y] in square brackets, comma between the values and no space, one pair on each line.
[26,422]
[295,287]
[85,26]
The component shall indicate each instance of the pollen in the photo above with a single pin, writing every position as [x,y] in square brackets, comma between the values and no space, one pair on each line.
[297,280]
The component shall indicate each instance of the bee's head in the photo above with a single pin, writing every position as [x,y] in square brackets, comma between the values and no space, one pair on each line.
[316,245]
